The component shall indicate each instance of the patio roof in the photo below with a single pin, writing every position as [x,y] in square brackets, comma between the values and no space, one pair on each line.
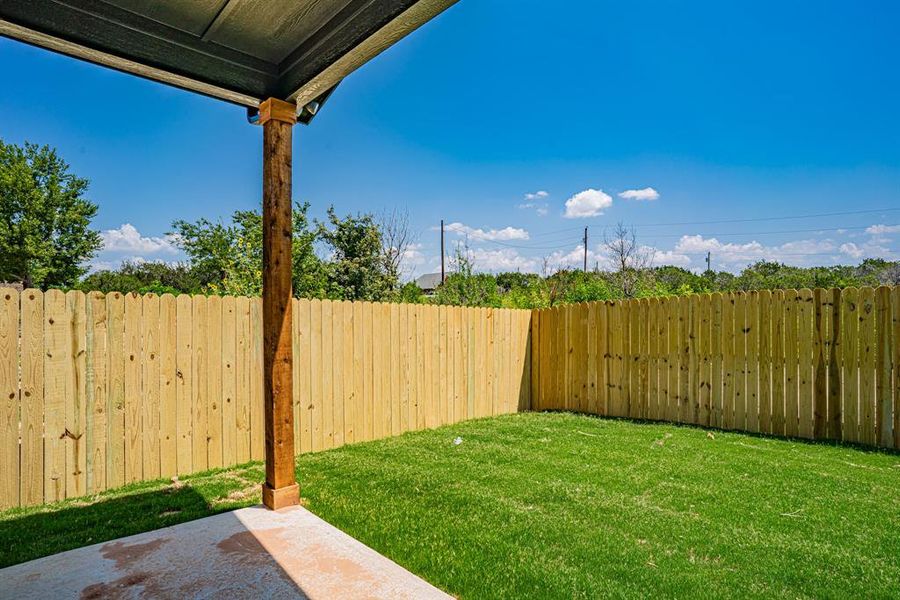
[242,51]
[279,58]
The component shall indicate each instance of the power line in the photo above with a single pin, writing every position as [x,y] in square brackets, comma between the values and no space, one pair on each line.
[785,218]
[767,251]
[733,233]
[506,244]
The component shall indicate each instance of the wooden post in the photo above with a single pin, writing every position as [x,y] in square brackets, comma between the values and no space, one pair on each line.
[280,489]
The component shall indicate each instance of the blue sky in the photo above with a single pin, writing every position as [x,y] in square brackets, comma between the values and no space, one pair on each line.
[729,111]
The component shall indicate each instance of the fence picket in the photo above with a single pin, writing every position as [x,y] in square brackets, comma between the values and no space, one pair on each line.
[9,399]
[805,376]
[715,337]
[764,335]
[92,403]
[31,488]
[76,401]
[168,381]
[791,364]
[751,335]
[241,382]
[255,372]
[183,393]
[327,373]
[895,361]
[149,390]
[115,408]
[849,367]
[883,413]
[704,382]
[820,358]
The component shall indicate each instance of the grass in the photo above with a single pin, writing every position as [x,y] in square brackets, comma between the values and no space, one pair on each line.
[561,506]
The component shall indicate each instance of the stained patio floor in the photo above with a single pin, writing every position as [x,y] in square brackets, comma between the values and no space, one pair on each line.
[252,552]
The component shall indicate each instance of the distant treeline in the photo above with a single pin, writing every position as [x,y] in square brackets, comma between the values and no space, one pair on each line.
[465,287]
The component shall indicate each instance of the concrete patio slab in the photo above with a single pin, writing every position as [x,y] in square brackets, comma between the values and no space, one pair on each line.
[252,552]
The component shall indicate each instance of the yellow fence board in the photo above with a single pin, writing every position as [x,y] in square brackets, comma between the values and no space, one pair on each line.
[200,380]
[255,371]
[9,398]
[115,408]
[168,382]
[883,412]
[242,379]
[867,365]
[31,487]
[214,415]
[149,388]
[751,335]
[97,390]
[303,405]
[895,361]
[849,363]
[57,388]
[717,351]
[821,342]
[806,374]
[184,379]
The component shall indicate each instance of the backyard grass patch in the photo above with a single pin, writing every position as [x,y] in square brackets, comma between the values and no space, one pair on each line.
[560,506]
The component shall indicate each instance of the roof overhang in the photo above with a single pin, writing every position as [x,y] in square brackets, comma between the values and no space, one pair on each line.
[241,51]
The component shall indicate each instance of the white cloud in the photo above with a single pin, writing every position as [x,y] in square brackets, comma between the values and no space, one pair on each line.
[870,249]
[534,201]
[882,229]
[541,209]
[507,233]
[731,254]
[539,195]
[851,249]
[128,239]
[647,193]
[412,256]
[589,203]
[503,259]
[666,257]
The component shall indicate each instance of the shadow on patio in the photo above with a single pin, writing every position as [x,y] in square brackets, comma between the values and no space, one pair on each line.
[285,554]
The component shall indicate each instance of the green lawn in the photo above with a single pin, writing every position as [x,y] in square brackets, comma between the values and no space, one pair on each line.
[562,506]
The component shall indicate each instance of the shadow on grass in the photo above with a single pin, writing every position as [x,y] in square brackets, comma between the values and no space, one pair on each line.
[56,528]
[806,441]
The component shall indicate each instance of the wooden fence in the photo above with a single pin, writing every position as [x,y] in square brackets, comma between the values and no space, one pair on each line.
[97,391]
[103,390]
[822,364]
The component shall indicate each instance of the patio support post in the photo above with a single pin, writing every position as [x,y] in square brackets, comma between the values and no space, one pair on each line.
[280,489]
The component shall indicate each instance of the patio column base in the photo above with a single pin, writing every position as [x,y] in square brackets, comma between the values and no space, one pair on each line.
[282,497]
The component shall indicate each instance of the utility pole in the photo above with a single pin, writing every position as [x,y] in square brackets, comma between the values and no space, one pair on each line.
[585,249]
[443,275]
[708,261]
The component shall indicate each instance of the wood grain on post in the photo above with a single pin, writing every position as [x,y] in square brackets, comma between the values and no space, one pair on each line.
[280,489]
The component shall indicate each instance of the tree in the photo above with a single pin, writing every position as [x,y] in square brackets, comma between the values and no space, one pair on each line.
[630,260]
[356,269]
[45,234]
[228,258]
[465,287]
[396,240]
[144,278]
[676,280]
